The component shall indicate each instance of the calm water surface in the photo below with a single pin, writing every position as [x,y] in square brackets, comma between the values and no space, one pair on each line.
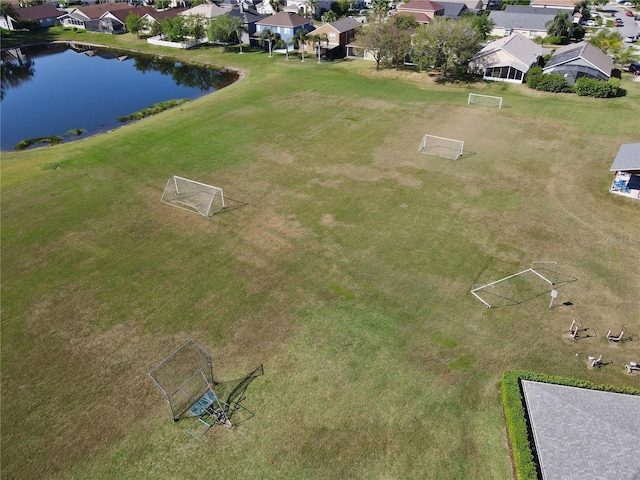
[51,89]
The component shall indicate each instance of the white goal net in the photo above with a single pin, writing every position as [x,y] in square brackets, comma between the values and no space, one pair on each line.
[193,196]
[486,100]
[441,147]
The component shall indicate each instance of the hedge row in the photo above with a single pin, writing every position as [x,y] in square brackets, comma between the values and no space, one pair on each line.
[516,417]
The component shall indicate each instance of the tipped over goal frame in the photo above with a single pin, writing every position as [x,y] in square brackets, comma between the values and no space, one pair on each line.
[545,269]
[486,100]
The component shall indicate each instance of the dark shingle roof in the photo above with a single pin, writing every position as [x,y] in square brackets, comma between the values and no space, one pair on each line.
[37,12]
[284,19]
[521,21]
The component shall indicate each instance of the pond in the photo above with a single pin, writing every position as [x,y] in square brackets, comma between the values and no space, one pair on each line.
[55,88]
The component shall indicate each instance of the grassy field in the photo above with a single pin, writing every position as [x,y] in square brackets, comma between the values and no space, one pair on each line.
[347,273]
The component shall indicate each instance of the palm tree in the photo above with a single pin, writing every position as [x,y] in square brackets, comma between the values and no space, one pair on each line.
[561,25]
[301,36]
[310,7]
[7,10]
[268,35]
[318,39]
[239,31]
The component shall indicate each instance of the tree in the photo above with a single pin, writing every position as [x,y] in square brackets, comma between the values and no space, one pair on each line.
[285,43]
[445,45]
[224,29]
[7,10]
[310,7]
[317,40]
[374,39]
[329,16]
[403,21]
[607,41]
[269,36]
[175,28]
[134,23]
[340,8]
[561,25]
[482,23]
[379,10]
[277,5]
[240,30]
[398,43]
[301,37]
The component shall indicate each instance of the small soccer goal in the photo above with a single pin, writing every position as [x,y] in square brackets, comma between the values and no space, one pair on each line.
[485,100]
[196,197]
[518,287]
[441,147]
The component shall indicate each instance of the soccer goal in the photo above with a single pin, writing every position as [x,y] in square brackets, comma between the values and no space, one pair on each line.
[486,100]
[441,147]
[518,287]
[193,196]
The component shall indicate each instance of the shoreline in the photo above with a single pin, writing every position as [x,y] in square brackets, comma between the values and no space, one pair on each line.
[238,71]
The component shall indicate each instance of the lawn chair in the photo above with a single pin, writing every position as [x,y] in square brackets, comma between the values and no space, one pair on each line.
[632,367]
[611,338]
[596,362]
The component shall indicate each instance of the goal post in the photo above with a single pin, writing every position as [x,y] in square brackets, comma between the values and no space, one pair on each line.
[197,197]
[486,100]
[441,146]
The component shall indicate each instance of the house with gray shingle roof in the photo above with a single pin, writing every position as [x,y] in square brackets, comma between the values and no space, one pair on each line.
[531,24]
[506,59]
[626,165]
[43,15]
[583,434]
[579,60]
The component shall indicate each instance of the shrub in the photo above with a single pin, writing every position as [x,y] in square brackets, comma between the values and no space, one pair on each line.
[553,83]
[534,76]
[593,87]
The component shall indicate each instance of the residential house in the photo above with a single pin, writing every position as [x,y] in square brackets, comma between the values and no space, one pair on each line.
[159,15]
[249,18]
[41,15]
[626,165]
[528,21]
[284,23]
[453,10]
[301,7]
[422,10]
[579,60]
[507,59]
[79,16]
[339,34]
[114,21]
[569,5]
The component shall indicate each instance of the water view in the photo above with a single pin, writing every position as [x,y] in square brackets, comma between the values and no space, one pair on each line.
[52,89]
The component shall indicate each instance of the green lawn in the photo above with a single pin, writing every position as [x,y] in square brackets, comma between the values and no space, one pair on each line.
[347,274]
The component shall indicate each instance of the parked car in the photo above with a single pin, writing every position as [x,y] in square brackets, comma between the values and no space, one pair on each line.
[634,68]
[590,23]
[618,23]
[629,39]
[629,14]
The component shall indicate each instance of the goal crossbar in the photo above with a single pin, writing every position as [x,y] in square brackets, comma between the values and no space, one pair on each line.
[487,100]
